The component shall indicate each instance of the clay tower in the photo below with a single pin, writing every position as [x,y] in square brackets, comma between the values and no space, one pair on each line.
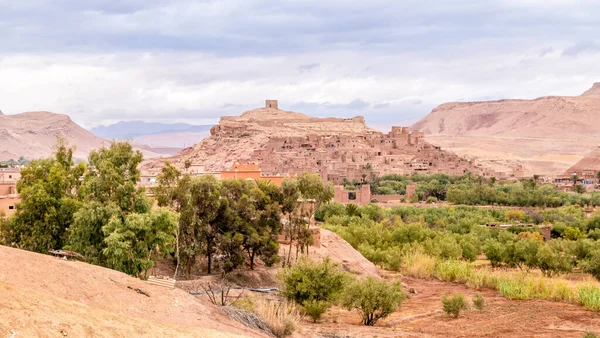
[272,104]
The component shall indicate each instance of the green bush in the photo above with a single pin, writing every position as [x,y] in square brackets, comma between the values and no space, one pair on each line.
[314,286]
[314,308]
[590,335]
[478,301]
[374,299]
[454,304]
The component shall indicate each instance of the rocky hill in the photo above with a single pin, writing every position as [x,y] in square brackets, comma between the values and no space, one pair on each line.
[545,135]
[33,134]
[337,148]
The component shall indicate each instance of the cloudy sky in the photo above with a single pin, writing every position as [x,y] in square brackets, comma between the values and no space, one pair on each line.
[392,61]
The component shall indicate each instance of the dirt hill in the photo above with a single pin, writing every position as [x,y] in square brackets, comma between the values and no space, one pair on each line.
[590,163]
[292,142]
[546,135]
[43,296]
[33,134]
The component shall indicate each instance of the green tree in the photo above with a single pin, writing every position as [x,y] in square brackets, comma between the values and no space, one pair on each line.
[135,244]
[48,189]
[374,299]
[109,194]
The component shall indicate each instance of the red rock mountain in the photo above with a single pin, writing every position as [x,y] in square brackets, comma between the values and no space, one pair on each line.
[33,134]
[545,135]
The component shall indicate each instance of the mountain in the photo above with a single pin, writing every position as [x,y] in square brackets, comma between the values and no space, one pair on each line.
[176,135]
[292,142]
[590,163]
[33,134]
[545,135]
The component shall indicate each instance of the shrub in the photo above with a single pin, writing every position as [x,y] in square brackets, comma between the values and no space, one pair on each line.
[478,301]
[314,308]
[590,335]
[313,285]
[374,299]
[591,264]
[454,304]
[308,280]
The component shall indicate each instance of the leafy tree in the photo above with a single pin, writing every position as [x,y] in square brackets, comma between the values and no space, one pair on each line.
[200,212]
[135,244]
[374,299]
[494,251]
[109,194]
[553,260]
[48,189]
[591,264]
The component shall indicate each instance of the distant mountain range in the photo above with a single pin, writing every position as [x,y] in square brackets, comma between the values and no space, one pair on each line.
[154,134]
[133,129]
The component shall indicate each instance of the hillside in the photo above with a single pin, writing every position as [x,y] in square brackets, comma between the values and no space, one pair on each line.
[589,163]
[43,296]
[545,135]
[292,142]
[33,134]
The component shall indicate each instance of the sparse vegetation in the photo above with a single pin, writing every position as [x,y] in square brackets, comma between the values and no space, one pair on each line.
[454,304]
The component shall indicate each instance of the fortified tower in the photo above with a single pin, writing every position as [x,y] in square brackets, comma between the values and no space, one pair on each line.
[271,104]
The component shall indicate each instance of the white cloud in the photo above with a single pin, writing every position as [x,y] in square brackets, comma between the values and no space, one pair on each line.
[184,60]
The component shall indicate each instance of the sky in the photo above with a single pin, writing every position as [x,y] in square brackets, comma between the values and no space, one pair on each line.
[392,61]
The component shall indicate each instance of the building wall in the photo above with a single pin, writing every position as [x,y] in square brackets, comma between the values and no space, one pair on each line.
[362,195]
[387,198]
[7,205]
[7,189]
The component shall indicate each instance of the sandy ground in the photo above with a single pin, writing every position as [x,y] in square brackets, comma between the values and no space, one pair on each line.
[41,295]
[421,316]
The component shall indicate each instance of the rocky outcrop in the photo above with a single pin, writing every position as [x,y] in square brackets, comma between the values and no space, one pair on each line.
[545,135]
[337,148]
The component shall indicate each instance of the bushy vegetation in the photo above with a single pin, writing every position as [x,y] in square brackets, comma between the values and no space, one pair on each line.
[442,243]
[454,304]
[469,189]
[374,299]
[314,286]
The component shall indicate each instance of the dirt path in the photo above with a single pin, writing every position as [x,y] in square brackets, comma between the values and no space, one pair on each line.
[420,316]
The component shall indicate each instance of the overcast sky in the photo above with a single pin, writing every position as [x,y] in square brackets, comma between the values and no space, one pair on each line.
[392,61]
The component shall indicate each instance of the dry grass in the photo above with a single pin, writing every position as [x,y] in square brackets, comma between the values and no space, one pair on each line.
[281,317]
[419,265]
